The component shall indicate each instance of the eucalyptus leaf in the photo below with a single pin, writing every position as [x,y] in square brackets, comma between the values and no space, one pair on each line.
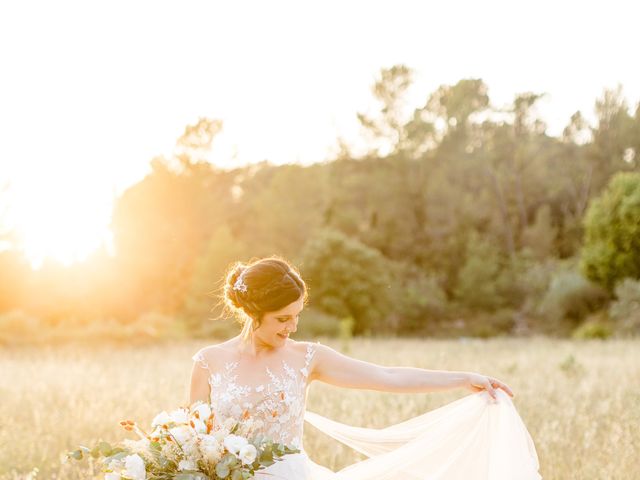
[236,475]
[105,448]
[222,470]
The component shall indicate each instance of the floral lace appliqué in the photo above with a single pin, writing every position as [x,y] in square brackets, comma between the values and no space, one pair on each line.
[279,403]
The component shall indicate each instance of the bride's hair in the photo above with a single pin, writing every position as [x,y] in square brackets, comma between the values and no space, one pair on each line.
[272,283]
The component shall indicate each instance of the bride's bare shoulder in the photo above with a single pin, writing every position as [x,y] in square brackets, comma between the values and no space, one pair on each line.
[303,347]
[215,352]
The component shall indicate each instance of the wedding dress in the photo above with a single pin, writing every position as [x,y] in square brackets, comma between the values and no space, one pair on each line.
[471,438]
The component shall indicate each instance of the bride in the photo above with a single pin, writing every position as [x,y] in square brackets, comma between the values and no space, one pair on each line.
[264,373]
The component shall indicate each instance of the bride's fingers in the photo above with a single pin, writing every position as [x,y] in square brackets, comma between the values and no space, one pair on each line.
[498,384]
[488,386]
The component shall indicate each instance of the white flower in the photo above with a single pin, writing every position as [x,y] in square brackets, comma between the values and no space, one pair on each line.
[180,416]
[134,467]
[137,446]
[228,423]
[112,476]
[160,419]
[190,447]
[115,464]
[199,426]
[211,448]
[211,454]
[248,454]
[182,433]
[187,465]
[204,411]
[234,443]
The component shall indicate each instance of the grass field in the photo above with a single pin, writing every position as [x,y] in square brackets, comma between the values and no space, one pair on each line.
[579,400]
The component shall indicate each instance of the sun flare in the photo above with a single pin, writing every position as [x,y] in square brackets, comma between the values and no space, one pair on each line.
[64,223]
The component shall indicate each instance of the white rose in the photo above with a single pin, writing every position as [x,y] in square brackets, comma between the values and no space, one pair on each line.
[210,447]
[180,416]
[204,411]
[134,467]
[212,453]
[248,454]
[187,465]
[115,464]
[160,419]
[190,447]
[112,476]
[234,443]
[199,426]
[182,433]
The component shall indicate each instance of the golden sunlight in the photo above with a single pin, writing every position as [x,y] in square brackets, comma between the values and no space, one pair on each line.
[64,223]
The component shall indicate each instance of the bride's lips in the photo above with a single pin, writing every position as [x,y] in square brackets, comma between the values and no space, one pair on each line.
[283,336]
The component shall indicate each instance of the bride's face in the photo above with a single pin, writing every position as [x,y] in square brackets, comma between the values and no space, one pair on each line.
[276,326]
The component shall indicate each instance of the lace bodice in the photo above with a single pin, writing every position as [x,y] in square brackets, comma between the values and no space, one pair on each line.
[279,402]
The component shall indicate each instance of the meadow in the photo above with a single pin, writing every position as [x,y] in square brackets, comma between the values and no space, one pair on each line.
[579,399]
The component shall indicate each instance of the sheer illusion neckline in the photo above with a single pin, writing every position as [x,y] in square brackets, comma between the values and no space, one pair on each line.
[228,373]
[231,366]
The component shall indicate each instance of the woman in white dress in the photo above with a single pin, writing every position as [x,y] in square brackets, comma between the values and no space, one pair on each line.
[265,374]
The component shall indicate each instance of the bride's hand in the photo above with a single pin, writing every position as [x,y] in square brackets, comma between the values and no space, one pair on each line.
[477,383]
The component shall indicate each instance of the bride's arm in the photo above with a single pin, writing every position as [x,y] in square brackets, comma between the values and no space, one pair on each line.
[337,369]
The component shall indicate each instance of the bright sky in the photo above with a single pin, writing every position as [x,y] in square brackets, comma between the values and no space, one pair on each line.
[91,91]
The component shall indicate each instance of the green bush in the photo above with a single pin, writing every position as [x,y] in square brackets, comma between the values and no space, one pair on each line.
[477,284]
[570,298]
[19,328]
[611,249]
[348,279]
[625,310]
[315,323]
[594,327]
[421,301]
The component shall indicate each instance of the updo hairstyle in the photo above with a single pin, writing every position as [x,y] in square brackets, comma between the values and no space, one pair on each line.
[272,284]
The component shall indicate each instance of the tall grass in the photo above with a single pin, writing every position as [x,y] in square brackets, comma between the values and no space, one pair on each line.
[579,400]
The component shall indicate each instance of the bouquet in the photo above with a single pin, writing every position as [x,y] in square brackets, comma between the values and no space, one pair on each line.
[188,444]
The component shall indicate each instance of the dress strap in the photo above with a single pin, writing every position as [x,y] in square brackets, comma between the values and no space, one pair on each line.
[200,360]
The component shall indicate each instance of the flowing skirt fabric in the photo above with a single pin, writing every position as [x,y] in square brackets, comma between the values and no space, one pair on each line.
[472,438]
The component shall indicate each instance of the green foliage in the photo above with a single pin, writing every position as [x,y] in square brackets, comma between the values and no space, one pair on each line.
[569,298]
[540,237]
[420,300]
[17,327]
[477,285]
[593,328]
[612,232]
[316,323]
[206,284]
[625,310]
[432,174]
[347,278]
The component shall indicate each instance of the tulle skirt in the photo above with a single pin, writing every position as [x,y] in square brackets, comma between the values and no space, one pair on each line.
[472,438]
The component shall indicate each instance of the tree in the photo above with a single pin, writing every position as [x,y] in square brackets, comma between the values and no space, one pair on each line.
[348,279]
[386,130]
[612,232]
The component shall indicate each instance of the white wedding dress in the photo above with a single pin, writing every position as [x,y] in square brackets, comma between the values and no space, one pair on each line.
[468,439]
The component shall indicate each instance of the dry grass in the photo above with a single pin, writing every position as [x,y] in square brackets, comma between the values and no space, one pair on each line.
[579,400]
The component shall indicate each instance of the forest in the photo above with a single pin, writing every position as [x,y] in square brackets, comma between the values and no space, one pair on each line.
[460,219]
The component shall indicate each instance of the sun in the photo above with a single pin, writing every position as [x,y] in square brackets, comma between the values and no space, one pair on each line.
[57,221]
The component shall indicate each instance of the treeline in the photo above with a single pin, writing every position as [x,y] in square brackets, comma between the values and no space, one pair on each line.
[461,219]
